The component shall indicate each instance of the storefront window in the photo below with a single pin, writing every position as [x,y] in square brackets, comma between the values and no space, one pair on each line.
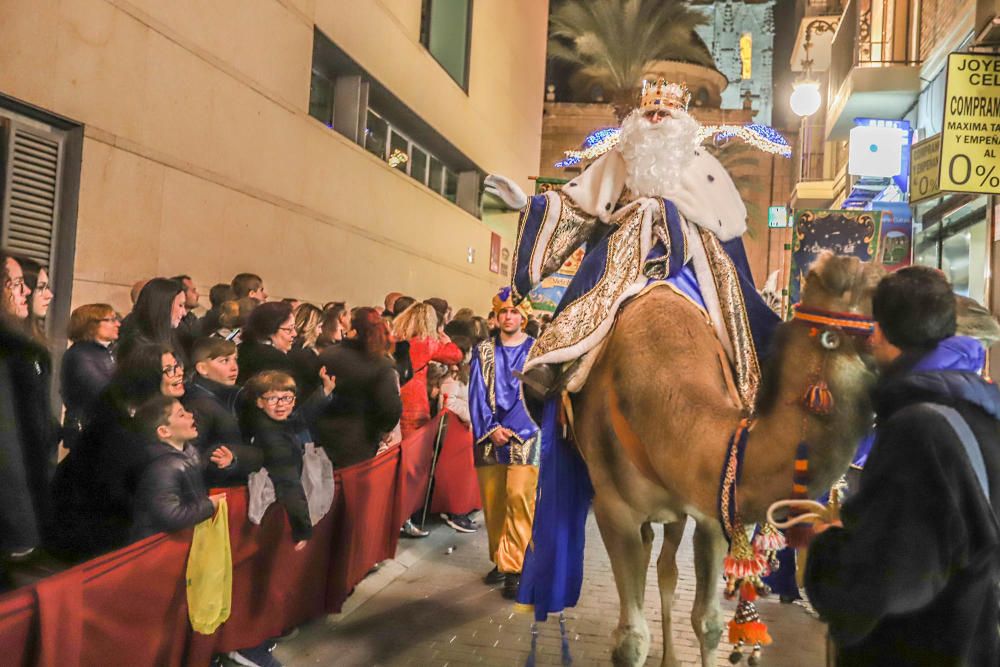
[954,236]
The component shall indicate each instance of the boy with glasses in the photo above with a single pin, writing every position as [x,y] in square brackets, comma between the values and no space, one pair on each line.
[281,435]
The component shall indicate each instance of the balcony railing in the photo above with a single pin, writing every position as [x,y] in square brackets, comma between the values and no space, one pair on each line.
[872,33]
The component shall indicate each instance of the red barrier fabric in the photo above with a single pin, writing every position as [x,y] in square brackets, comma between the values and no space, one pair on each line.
[17,627]
[134,603]
[129,607]
[456,488]
[366,532]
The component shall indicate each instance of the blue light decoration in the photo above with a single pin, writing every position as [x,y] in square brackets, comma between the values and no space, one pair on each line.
[567,162]
[597,136]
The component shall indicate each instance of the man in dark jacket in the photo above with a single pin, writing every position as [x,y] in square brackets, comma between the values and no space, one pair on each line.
[171,494]
[910,578]
[212,397]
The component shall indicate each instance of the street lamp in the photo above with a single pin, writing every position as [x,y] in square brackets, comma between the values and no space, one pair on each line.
[805,99]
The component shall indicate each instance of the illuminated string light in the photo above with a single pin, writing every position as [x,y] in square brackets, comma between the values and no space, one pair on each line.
[397,158]
[761,137]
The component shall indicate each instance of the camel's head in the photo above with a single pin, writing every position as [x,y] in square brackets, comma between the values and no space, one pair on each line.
[841,284]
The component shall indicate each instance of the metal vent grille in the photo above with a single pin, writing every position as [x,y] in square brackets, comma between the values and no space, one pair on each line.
[30,202]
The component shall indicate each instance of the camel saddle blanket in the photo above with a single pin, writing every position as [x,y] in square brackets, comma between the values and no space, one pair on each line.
[653,245]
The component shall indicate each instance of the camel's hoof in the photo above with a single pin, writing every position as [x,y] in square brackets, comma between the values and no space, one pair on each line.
[631,647]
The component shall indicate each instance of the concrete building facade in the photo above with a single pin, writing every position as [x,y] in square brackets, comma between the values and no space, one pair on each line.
[188,141]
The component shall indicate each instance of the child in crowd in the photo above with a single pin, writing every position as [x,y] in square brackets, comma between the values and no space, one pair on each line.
[280,433]
[171,494]
[211,395]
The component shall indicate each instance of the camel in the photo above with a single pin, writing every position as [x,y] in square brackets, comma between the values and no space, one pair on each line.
[683,417]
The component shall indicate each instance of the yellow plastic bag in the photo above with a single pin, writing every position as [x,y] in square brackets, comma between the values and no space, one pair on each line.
[210,573]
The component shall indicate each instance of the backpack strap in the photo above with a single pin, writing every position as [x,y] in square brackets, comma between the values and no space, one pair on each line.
[969,443]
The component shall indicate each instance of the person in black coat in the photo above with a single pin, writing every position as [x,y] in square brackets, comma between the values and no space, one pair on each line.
[88,365]
[171,493]
[280,433]
[94,485]
[213,397]
[367,405]
[268,337]
[28,436]
[910,577]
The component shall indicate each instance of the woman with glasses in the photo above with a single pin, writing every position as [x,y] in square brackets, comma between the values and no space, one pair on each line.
[94,486]
[88,364]
[27,428]
[267,339]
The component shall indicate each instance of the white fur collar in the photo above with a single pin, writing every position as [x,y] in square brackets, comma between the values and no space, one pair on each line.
[707,196]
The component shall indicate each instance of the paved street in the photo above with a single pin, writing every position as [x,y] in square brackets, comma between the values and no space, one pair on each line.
[429,607]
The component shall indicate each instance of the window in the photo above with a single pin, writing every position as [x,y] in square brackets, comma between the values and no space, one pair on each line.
[450,185]
[434,178]
[376,135]
[418,164]
[399,152]
[444,29]
[321,99]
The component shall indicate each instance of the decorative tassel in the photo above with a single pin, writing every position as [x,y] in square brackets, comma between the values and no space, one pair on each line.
[799,535]
[743,561]
[818,398]
[746,626]
[769,540]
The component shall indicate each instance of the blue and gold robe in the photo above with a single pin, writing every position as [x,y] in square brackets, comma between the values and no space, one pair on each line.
[496,399]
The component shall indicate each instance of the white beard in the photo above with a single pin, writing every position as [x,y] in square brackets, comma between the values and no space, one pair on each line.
[656,154]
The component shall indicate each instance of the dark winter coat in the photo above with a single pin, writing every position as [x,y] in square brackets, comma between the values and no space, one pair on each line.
[255,357]
[367,404]
[28,438]
[306,363]
[214,407]
[86,370]
[912,577]
[282,446]
[171,493]
[94,486]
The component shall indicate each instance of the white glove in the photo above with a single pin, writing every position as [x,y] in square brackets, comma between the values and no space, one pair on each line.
[509,192]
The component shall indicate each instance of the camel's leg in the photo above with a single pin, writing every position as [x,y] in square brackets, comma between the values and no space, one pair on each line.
[709,551]
[629,541]
[666,573]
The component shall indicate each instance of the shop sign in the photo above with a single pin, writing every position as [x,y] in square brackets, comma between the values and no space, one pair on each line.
[970,142]
[777,217]
[925,170]
[852,233]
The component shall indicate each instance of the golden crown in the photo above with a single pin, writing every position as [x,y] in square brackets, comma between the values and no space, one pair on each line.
[664,95]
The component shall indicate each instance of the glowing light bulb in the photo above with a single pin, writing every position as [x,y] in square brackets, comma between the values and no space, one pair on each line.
[805,99]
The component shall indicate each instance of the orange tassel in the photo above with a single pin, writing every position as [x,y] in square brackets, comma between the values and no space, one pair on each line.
[819,399]
[748,591]
[749,633]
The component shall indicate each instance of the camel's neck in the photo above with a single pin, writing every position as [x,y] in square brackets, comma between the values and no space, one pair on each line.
[771,449]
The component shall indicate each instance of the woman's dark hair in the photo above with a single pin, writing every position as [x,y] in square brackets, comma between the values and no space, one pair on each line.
[138,375]
[151,316]
[372,332]
[34,325]
[533,328]
[915,307]
[462,333]
[265,320]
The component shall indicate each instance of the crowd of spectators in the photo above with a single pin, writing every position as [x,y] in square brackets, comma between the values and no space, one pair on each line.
[161,405]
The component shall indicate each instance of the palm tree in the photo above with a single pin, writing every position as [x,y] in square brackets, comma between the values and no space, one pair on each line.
[742,161]
[610,42]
